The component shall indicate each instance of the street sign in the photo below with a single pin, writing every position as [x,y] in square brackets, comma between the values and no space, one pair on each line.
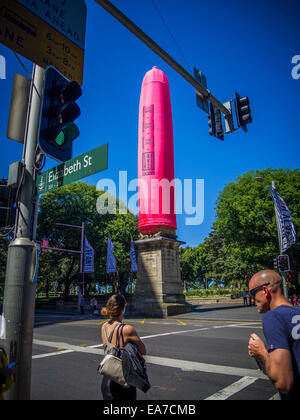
[65,16]
[202,103]
[74,169]
[25,28]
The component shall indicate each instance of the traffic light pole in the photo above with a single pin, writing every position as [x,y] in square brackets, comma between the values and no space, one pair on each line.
[19,292]
[131,26]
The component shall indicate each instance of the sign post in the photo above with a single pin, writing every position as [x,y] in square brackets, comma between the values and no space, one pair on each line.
[19,291]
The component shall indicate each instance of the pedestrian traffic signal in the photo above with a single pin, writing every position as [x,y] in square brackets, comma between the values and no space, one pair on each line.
[283,263]
[7,209]
[215,122]
[243,111]
[58,112]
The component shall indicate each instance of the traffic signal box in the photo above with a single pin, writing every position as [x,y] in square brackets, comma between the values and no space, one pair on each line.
[215,122]
[283,263]
[57,129]
[243,111]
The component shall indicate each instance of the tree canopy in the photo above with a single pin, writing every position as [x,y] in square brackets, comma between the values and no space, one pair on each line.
[73,204]
[244,235]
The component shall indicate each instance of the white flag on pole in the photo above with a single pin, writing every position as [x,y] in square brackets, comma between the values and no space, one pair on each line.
[88,257]
[133,257]
[287,232]
[111,264]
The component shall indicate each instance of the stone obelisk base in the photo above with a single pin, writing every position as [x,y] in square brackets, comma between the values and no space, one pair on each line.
[159,289]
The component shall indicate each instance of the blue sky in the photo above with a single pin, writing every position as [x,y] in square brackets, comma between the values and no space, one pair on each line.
[245,46]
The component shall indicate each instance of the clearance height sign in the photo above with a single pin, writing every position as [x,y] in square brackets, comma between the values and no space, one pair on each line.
[47,32]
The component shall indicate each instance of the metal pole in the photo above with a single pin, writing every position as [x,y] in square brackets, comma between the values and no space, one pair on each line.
[131,26]
[19,292]
[284,285]
[82,256]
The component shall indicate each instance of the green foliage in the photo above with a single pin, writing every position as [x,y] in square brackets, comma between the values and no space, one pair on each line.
[244,238]
[208,293]
[73,204]
[192,265]
[246,223]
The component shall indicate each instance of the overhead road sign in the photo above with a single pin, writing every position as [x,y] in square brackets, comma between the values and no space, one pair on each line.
[202,102]
[77,168]
[25,28]
[68,17]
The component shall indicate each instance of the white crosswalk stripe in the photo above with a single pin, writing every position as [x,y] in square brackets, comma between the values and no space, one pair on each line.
[232,389]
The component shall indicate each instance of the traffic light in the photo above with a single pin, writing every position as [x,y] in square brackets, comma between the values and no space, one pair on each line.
[283,263]
[243,111]
[289,280]
[275,264]
[215,122]
[58,111]
[7,200]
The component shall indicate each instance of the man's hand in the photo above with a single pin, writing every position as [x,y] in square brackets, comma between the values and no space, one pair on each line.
[256,347]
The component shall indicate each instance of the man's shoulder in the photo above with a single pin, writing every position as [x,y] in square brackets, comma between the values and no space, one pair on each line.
[282,314]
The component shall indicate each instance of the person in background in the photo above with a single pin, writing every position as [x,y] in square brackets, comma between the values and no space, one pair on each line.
[81,304]
[295,300]
[95,304]
[92,306]
[114,311]
[245,296]
[281,326]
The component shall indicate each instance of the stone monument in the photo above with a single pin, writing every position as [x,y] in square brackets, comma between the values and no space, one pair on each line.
[159,289]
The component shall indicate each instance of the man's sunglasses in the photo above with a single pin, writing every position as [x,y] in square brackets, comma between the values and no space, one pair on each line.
[253,292]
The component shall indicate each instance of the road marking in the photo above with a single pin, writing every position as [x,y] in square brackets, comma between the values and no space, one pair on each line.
[143,322]
[183,323]
[55,353]
[184,365]
[67,346]
[249,326]
[275,397]
[232,389]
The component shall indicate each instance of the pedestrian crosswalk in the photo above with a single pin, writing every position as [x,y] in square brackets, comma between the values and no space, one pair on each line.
[237,381]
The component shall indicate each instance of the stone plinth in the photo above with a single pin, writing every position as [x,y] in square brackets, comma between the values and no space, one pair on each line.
[159,289]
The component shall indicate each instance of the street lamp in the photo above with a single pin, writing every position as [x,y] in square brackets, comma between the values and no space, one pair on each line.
[260,179]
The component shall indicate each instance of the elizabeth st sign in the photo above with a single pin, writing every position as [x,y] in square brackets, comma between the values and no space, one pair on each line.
[74,169]
[47,32]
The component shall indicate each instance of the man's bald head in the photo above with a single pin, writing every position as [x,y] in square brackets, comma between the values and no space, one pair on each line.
[266,276]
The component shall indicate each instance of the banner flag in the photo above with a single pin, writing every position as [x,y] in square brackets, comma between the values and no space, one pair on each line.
[88,257]
[111,264]
[287,232]
[133,257]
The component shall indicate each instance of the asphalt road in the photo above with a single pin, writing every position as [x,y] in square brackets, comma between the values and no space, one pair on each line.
[197,356]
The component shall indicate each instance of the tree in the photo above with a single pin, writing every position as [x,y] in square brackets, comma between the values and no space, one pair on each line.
[246,223]
[192,265]
[73,204]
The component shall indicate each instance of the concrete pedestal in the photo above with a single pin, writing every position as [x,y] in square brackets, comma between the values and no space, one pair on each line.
[159,289]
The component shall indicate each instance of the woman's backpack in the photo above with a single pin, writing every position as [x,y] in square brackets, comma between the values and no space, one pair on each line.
[111,365]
